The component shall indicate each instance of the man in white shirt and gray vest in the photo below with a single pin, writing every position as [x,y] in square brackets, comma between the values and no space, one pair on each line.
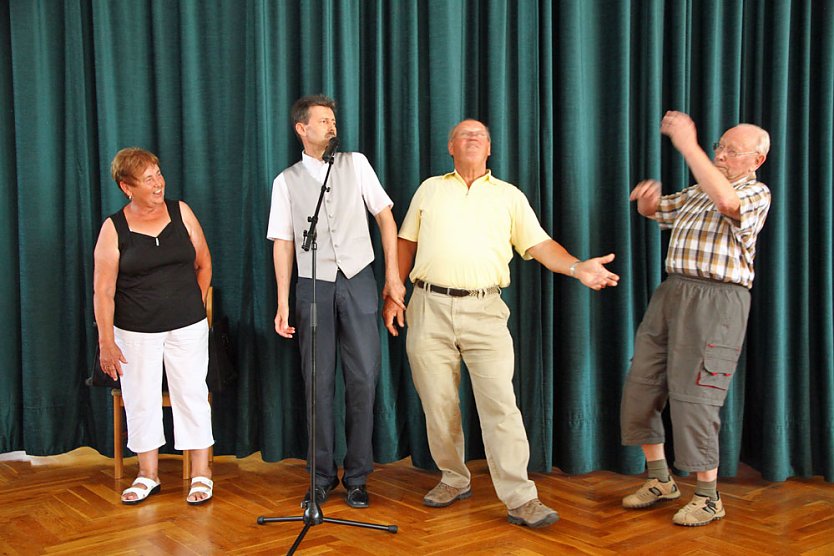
[346,290]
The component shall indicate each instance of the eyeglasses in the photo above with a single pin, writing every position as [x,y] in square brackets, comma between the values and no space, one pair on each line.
[731,153]
[471,134]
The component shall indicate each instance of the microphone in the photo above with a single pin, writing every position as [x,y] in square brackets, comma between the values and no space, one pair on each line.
[330,151]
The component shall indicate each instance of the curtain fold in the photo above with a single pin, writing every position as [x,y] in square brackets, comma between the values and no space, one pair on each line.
[11,377]
[573,93]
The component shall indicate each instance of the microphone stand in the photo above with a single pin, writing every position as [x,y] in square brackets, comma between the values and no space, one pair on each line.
[312,511]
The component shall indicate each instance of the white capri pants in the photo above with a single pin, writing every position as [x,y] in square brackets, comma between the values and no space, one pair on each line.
[185,353]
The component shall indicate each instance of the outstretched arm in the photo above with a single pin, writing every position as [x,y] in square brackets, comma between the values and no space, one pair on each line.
[590,272]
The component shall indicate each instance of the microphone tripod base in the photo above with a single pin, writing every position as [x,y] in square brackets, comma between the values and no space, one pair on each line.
[313,516]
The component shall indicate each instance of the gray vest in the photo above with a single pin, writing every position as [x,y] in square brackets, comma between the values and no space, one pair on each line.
[343,241]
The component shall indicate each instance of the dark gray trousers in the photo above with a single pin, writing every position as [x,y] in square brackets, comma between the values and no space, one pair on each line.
[347,322]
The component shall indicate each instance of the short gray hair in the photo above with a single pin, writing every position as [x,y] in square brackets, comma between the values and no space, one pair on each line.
[762,137]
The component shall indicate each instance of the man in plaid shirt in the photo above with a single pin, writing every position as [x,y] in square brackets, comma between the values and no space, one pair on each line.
[688,343]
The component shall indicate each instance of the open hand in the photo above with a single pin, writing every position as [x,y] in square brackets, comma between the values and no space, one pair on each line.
[594,275]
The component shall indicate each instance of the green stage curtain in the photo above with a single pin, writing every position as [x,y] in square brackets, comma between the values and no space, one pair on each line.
[573,93]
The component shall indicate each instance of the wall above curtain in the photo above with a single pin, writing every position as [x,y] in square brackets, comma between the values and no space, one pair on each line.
[573,93]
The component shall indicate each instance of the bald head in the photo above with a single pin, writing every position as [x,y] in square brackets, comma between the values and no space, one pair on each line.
[470,147]
[741,150]
[755,138]
[470,122]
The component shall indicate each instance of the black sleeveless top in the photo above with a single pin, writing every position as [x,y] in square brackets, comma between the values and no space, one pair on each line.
[156,289]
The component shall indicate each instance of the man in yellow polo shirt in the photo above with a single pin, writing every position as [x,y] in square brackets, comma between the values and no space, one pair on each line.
[462,227]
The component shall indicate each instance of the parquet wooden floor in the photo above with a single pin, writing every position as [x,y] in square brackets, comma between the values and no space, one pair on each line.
[69,504]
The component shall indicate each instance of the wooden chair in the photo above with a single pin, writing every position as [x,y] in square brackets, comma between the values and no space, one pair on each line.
[119,432]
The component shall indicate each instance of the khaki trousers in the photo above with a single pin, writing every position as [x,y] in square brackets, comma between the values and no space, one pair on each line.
[441,331]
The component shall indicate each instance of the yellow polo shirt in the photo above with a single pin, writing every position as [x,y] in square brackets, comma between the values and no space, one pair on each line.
[465,236]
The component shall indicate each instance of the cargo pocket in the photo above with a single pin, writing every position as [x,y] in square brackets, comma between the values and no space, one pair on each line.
[719,366]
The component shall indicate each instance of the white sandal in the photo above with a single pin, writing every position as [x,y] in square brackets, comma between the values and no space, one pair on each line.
[200,489]
[151,487]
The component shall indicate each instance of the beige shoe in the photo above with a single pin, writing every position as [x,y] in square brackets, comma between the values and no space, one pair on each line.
[651,492]
[533,514]
[700,511]
[444,495]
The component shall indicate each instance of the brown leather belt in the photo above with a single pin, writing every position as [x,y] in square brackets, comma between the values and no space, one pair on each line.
[455,292]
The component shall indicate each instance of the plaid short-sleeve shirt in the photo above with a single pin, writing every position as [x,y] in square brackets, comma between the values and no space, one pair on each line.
[708,244]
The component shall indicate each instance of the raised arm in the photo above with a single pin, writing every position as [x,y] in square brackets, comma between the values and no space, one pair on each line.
[680,128]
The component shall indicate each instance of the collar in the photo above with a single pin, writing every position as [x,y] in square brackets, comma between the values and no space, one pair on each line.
[751,177]
[311,163]
[455,175]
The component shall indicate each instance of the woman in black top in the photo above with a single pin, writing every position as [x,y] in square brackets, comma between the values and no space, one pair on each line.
[152,272]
